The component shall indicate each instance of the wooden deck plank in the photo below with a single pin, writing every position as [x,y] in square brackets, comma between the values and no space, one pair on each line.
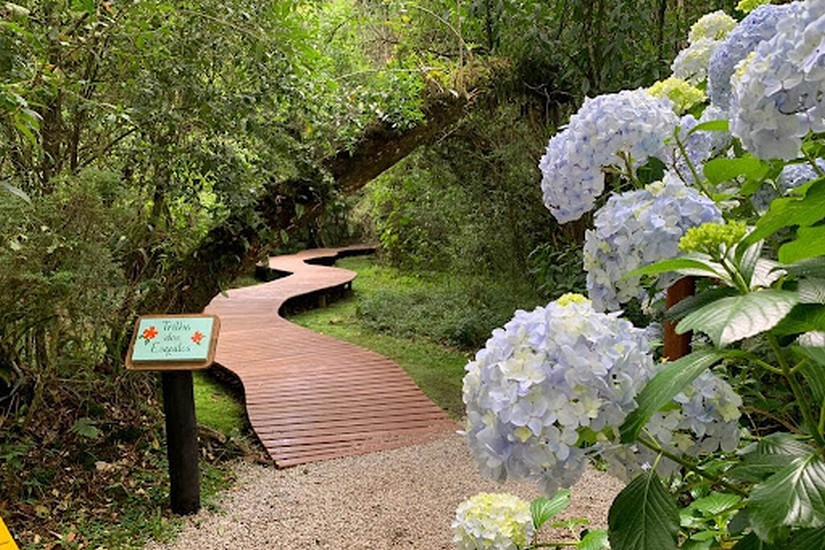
[311,397]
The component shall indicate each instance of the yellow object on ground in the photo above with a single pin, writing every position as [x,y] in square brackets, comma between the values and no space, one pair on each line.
[6,542]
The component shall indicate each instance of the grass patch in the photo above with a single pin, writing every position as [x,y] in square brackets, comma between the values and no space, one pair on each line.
[445,308]
[410,318]
[216,407]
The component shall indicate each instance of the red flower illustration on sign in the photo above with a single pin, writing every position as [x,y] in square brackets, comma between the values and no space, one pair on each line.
[197,337]
[149,333]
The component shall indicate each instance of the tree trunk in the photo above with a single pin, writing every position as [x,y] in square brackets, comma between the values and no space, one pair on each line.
[236,245]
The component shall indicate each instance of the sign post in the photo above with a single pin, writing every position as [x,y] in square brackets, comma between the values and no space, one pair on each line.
[175,345]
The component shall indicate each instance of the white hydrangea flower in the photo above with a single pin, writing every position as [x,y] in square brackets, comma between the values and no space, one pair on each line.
[493,521]
[711,26]
[706,420]
[630,122]
[778,91]
[542,380]
[692,63]
[637,228]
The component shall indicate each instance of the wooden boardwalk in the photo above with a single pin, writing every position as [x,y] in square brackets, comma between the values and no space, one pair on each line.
[311,397]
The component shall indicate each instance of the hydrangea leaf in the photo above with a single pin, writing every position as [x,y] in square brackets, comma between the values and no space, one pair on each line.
[809,539]
[811,291]
[670,380]
[809,243]
[763,459]
[802,318]
[692,303]
[715,503]
[792,497]
[543,508]
[811,267]
[802,211]
[731,319]
[643,516]
[594,540]
[685,265]
[724,169]
[711,126]
[782,444]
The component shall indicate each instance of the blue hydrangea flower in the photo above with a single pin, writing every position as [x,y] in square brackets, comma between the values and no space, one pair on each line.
[564,370]
[777,91]
[791,177]
[637,228]
[629,122]
[706,420]
[758,26]
[545,377]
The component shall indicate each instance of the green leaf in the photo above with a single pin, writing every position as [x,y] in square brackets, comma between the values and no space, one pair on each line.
[685,265]
[731,319]
[692,303]
[808,539]
[643,516]
[284,236]
[747,257]
[811,291]
[594,540]
[724,169]
[715,503]
[792,497]
[812,346]
[670,380]
[802,318]
[814,374]
[711,126]
[802,211]
[755,467]
[85,427]
[783,444]
[812,267]
[809,242]
[17,192]
[543,508]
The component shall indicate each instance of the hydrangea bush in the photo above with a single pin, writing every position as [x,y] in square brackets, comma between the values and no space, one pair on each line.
[741,212]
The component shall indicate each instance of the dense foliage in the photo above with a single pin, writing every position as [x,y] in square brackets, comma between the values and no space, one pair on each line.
[149,152]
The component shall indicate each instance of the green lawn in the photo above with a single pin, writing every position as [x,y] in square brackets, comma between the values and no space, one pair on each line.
[216,407]
[437,369]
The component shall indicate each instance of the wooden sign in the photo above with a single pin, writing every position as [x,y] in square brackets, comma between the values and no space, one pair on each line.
[173,342]
[6,542]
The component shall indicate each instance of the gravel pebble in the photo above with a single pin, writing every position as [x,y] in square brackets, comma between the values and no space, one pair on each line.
[405,498]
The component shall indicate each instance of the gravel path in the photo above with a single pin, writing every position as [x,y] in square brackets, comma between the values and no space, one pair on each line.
[404,498]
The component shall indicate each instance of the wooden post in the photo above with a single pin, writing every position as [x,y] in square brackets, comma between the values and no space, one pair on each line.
[181,441]
[678,345]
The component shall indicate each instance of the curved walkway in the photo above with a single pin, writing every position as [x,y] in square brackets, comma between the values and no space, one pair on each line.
[311,397]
